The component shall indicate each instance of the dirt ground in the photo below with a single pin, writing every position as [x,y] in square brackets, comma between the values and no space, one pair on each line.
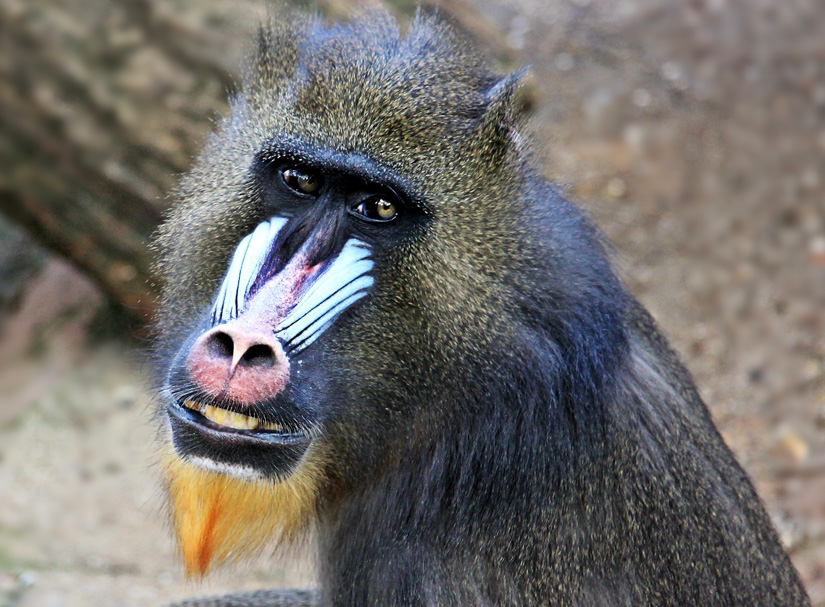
[694,135]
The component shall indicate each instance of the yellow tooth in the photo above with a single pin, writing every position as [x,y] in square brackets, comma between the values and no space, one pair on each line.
[224,417]
[229,419]
[233,420]
[210,412]
[221,416]
[273,426]
[237,421]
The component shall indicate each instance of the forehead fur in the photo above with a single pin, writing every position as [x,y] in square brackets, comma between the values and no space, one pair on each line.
[363,86]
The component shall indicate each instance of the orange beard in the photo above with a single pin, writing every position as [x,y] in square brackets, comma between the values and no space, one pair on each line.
[218,518]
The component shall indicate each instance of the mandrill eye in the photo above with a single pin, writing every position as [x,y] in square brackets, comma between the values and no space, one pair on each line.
[303,181]
[377,209]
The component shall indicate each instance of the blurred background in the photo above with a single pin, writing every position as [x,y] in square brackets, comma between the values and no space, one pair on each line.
[693,133]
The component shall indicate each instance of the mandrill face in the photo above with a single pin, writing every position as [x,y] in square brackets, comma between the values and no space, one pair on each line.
[257,388]
[332,280]
[245,384]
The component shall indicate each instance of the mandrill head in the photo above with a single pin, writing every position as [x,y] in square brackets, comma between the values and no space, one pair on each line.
[349,274]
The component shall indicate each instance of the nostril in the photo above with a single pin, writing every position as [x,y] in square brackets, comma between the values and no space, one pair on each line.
[220,345]
[259,355]
[244,364]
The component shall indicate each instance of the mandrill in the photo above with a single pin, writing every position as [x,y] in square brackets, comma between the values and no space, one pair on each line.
[383,329]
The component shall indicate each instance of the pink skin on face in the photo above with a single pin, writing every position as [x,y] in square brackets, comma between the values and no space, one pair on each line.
[241,360]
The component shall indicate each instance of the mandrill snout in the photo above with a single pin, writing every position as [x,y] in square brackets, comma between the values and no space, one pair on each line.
[264,310]
[239,362]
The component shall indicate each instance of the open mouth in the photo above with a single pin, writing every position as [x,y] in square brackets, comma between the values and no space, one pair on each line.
[234,441]
[231,419]
[219,424]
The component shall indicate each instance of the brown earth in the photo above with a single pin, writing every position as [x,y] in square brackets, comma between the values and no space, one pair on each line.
[692,132]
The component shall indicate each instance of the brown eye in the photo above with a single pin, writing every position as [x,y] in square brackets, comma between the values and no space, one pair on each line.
[303,181]
[377,208]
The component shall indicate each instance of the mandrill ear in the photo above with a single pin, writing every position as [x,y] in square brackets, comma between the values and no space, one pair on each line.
[503,113]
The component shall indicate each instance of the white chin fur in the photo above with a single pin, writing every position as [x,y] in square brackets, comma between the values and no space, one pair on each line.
[243,473]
